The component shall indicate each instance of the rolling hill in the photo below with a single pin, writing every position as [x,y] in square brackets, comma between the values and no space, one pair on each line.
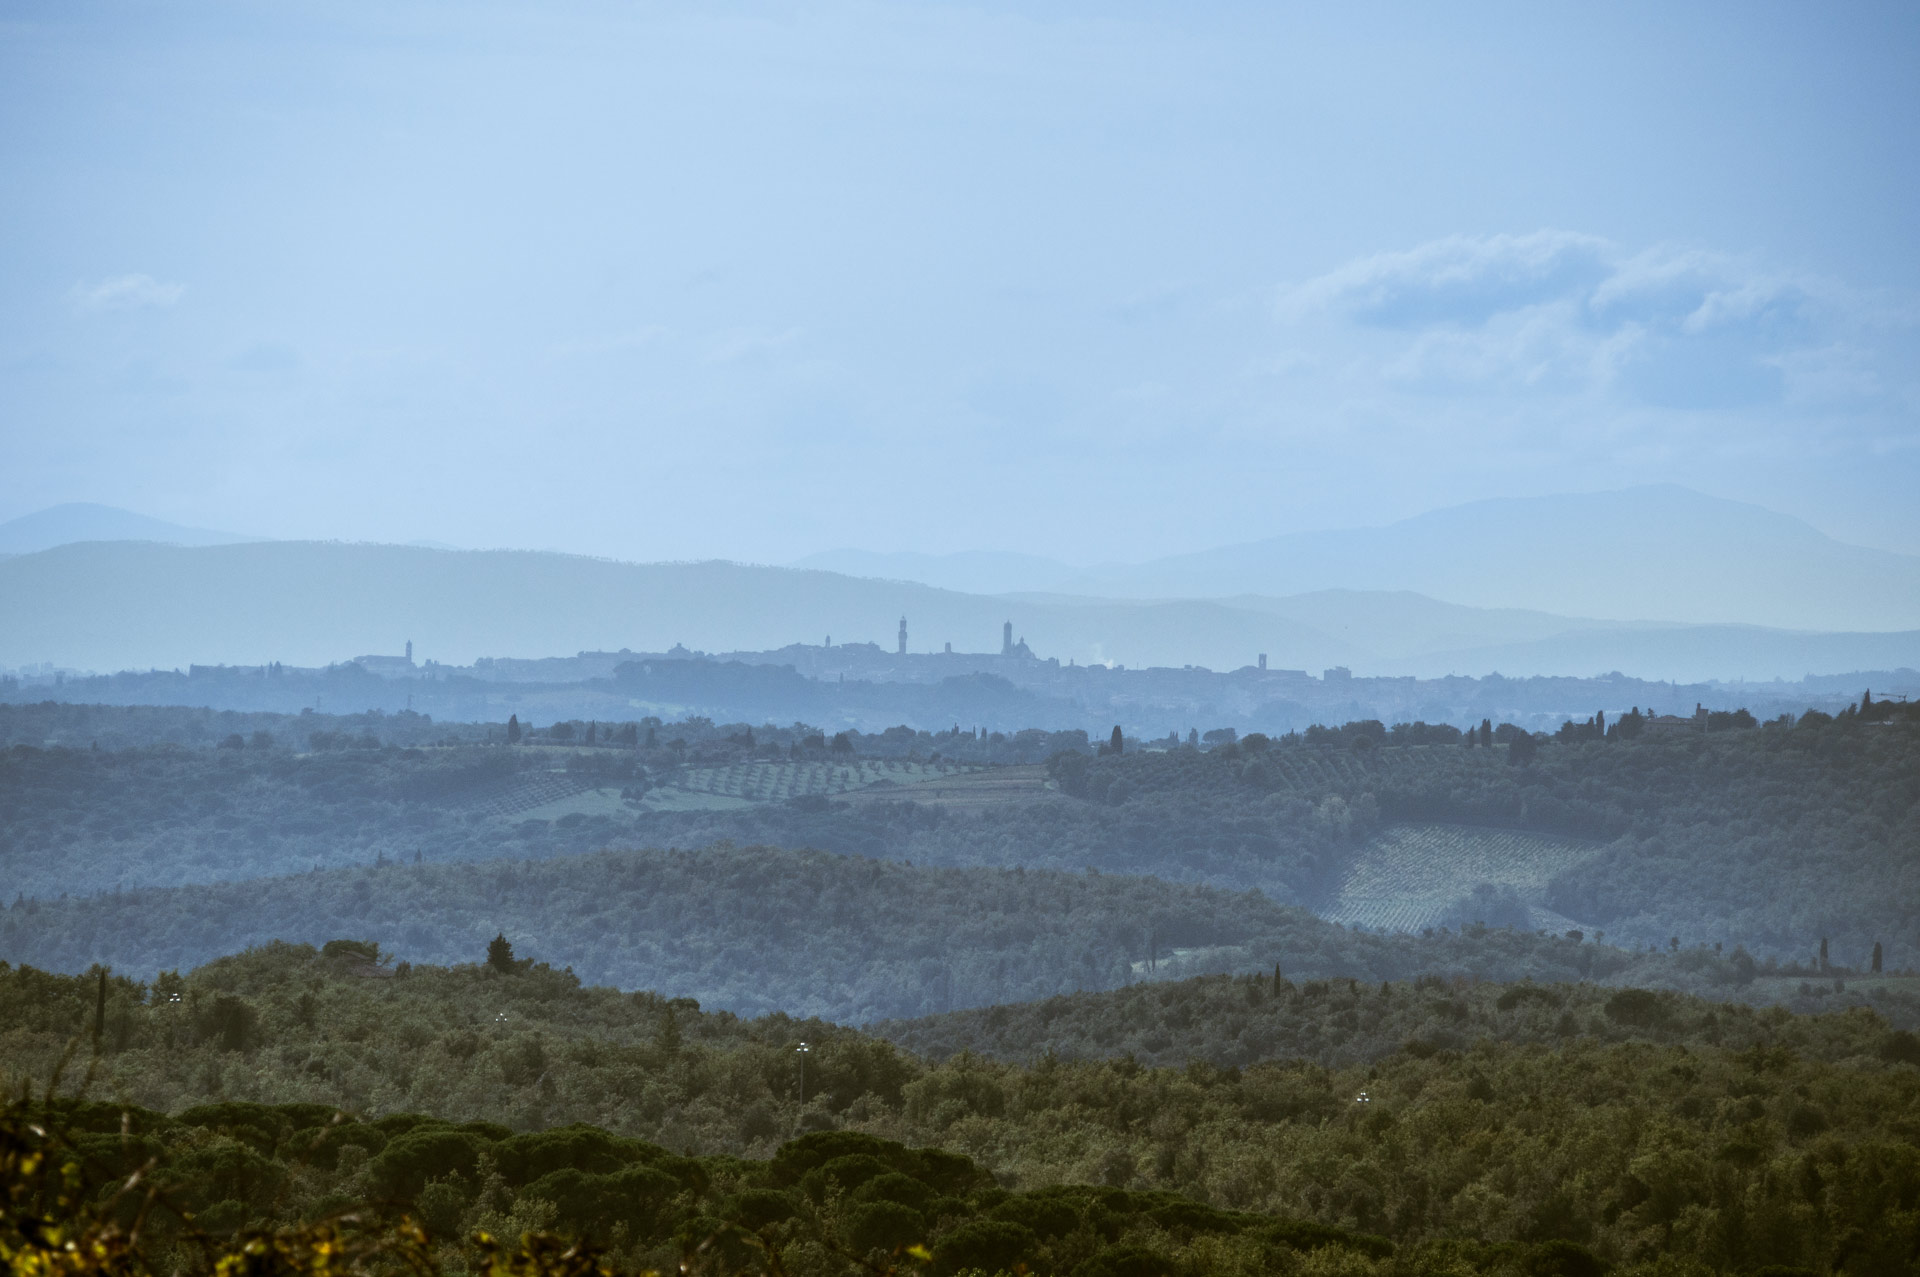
[1662,553]
[138,604]
[89,521]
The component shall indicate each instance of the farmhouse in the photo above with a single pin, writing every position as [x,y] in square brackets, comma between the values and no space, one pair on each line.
[1674,725]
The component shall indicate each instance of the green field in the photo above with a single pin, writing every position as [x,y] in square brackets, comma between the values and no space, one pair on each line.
[1408,876]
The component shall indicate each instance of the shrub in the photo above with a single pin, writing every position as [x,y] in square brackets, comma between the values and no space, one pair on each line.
[987,1244]
[883,1226]
[1637,1008]
[405,1165]
[1127,1261]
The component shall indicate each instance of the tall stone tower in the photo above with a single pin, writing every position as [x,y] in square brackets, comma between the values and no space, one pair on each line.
[1006,639]
[903,636]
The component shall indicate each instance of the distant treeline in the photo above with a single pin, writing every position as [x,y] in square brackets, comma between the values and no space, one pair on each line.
[1771,838]
[928,691]
[757,930]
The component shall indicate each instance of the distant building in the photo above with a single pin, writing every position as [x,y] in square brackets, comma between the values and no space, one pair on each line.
[1675,725]
[388,666]
[1263,660]
[1006,639]
[903,636]
[1338,674]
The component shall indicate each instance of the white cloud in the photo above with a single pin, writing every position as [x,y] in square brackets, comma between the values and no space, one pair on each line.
[126,292]
[1558,313]
[1461,279]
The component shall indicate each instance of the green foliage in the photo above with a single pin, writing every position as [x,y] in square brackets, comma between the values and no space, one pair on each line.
[756,930]
[1764,838]
[1212,1125]
[1238,1021]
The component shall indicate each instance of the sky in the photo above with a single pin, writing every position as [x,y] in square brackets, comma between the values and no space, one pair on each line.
[673,281]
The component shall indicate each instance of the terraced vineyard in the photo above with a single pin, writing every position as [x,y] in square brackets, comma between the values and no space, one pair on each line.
[525,793]
[773,782]
[1408,877]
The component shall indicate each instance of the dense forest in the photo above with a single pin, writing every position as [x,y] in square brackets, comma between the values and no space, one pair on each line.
[758,930]
[1762,837]
[1769,837]
[1671,1134]
[257,795]
[1238,1020]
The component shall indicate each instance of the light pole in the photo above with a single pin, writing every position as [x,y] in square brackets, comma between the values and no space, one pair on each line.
[802,1051]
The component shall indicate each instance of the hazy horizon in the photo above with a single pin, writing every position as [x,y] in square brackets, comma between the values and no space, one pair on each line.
[1283,604]
[672,283]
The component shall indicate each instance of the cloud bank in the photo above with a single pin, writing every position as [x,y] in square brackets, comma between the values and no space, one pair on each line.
[1575,315]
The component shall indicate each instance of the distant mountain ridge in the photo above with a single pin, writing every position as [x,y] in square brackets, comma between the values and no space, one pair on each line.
[88,521]
[1663,553]
[1546,565]
[131,605]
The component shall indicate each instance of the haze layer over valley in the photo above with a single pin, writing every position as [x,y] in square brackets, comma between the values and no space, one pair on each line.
[1668,585]
[959,639]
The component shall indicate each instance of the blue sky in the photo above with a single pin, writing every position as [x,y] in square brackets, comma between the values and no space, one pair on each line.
[673,281]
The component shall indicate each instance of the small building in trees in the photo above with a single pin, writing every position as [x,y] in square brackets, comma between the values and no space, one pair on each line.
[1675,725]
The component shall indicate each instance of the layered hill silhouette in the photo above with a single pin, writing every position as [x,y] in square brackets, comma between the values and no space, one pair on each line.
[1658,582]
[1663,552]
[112,605]
[89,521]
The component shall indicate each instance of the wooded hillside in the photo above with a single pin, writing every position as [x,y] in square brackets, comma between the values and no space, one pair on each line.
[1670,1131]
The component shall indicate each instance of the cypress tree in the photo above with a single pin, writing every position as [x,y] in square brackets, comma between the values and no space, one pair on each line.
[513,729]
[500,954]
[1823,953]
[1877,956]
[1116,742]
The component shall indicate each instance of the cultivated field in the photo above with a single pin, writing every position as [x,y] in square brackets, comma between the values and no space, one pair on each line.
[773,782]
[1410,875]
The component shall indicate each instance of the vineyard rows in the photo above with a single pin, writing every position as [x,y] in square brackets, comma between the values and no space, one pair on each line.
[1408,877]
[772,782]
[531,791]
